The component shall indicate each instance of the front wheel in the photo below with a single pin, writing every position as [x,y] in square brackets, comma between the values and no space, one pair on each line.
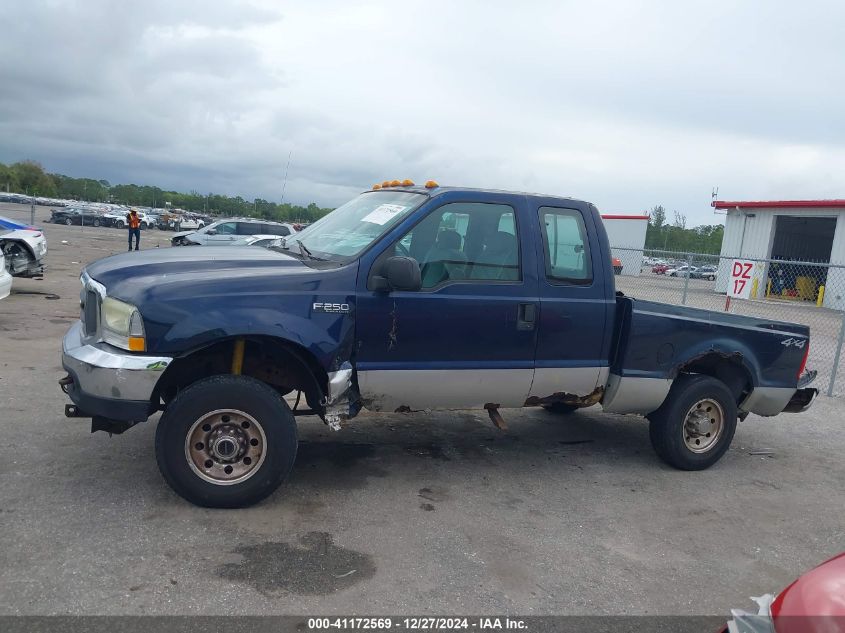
[68,221]
[96,222]
[121,224]
[226,442]
[694,427]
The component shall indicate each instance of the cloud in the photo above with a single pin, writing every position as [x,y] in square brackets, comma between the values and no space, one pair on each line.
[625,104]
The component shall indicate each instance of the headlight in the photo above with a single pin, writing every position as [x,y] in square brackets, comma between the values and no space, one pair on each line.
[122,325]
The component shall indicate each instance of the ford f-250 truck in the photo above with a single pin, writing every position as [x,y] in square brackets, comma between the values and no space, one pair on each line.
[406,298]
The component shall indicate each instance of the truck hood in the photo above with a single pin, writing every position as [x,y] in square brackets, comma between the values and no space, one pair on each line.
[129,274]
[192,297]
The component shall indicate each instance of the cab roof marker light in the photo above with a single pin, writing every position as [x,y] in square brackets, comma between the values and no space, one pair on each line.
[407,182]
[395,183]
[431,184]
[385,184]
[376,187]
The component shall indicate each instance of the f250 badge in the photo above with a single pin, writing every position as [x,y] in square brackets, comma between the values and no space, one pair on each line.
[336,308]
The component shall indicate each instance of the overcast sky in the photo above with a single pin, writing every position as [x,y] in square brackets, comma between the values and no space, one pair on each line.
[626,104]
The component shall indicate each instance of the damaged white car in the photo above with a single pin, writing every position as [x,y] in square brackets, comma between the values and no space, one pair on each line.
[23,247]
[5,279]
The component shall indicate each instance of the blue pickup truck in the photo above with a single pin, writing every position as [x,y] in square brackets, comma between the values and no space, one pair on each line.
[406,298]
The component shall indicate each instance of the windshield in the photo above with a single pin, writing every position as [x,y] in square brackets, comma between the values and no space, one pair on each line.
[351,228]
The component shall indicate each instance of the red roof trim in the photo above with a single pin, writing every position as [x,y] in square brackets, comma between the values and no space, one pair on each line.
[624,217]
[778,204]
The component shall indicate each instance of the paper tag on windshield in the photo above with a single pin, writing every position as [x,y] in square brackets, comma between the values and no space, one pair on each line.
[384,213]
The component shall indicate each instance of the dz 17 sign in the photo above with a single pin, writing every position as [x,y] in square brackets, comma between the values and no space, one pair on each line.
[739,286]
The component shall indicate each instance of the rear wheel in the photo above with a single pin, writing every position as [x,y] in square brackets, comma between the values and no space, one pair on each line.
[121,224]
[68,221]
[96,222]
[226,442]
[695,425]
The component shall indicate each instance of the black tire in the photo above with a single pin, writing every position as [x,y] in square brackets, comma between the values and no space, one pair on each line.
[68,221]
[667,430]
[711,278]
[560,408]
[242,394]
[96,222]
[121,224]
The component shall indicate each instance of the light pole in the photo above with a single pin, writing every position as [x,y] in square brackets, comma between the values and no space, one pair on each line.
[285,181]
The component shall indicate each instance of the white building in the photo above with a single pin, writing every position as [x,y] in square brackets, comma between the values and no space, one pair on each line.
[626,234]
[787,230]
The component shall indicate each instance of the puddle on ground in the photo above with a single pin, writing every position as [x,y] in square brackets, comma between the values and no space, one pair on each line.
[316,566]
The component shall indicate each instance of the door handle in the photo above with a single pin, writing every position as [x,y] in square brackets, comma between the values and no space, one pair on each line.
[526,316]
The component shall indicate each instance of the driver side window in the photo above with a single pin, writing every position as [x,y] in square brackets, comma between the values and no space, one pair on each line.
[464,241]
[227,228]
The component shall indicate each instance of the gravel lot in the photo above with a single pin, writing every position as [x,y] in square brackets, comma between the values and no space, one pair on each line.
[400,513]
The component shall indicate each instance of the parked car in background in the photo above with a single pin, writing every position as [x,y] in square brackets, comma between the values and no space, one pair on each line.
[660,268]
[76,215]
[705,272]
[166,221]
[617,266]
[188,222]
[226,231]
[23,248]
[5,278]
[682,271]
[266,241]
[115,217]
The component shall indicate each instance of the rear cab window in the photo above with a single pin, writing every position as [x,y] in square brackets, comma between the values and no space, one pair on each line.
[566,247]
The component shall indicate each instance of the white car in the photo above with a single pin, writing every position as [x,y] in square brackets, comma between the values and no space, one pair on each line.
[681,271]
[118,219]
[23,247]
[258,240]
[223,232]
[186,223]
[5,279]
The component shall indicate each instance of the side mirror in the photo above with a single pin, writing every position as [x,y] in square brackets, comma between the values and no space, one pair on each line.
[211,232]
[399,273]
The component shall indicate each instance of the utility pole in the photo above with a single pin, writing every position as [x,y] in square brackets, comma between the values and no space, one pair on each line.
[285,181]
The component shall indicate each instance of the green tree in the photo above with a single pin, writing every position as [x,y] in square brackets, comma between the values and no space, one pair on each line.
[33,179]
[678,238]
[8,179]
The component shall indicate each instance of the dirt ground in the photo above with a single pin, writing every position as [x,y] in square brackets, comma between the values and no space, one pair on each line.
[399,513]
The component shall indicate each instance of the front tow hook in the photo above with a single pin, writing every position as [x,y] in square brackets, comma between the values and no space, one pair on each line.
[65,383]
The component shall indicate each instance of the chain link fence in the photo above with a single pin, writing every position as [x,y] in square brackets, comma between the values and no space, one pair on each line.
[809,293]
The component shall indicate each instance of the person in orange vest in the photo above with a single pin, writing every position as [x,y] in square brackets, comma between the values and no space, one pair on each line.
[134,224]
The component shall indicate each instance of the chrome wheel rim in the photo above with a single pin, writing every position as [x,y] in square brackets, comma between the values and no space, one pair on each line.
[225,447]
[703,425]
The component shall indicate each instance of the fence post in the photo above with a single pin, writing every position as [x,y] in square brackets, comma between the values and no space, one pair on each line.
[836,356]
[686,279]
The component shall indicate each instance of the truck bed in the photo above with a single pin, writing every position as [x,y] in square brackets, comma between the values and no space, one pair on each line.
[655,342]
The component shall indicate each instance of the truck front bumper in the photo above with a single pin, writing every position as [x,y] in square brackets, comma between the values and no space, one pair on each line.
[108,383]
